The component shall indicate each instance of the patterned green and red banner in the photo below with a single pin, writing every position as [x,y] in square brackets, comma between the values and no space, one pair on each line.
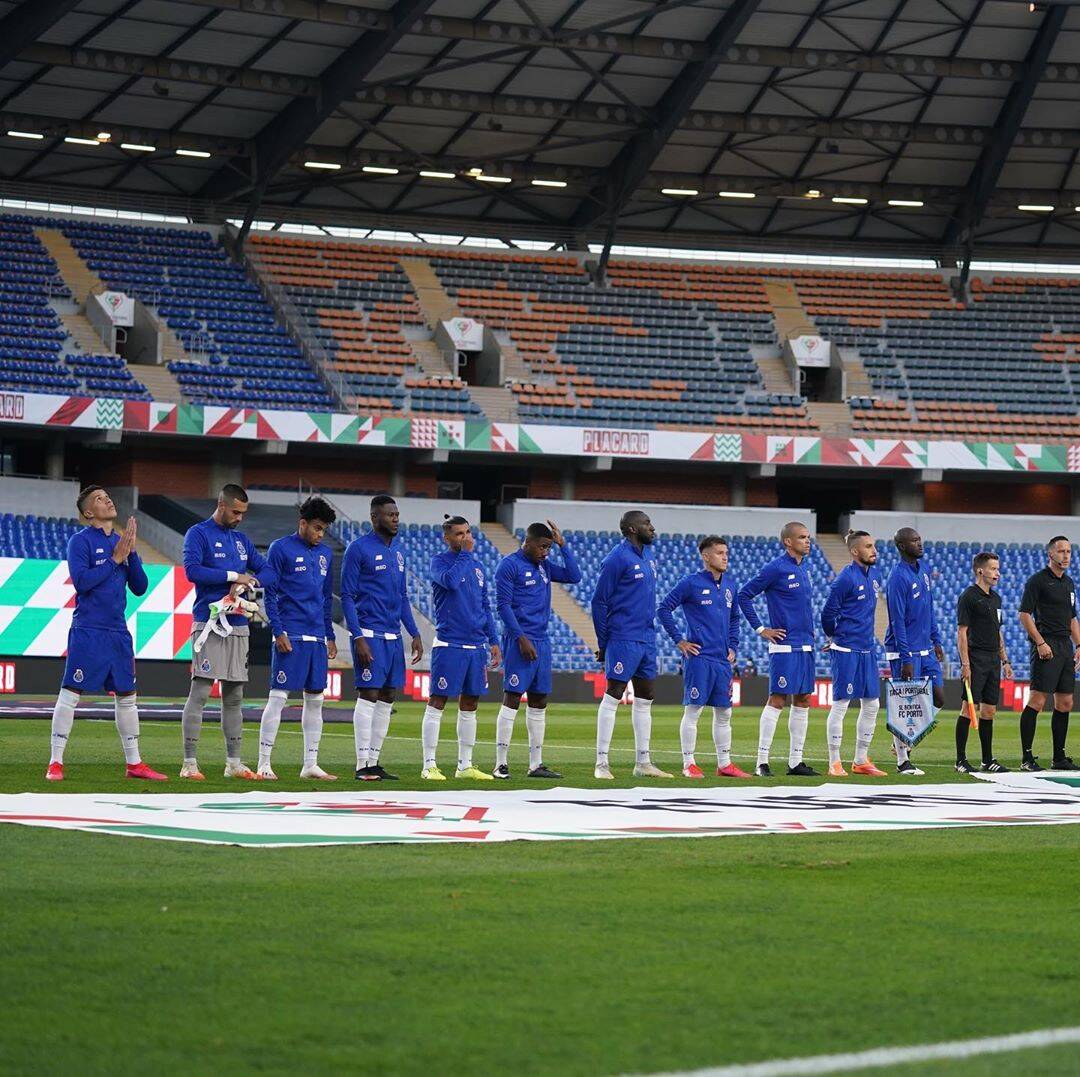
[37,600]
[469,435]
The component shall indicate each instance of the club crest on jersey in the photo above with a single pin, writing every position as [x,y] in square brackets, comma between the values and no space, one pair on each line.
[513,680]
[781,682]
[926,580]
[322,564]
[365,674]
[78,676]
[618,667]
[282,677]
[400,561]
[442,682]
[694,693]
[543,574]
[204,666]
[240,548]
[728,596]
[480,576]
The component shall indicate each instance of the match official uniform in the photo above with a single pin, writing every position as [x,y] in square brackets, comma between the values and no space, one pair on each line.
[375,602]
[299,599]
[523,597]
[1051,601]
[464,625]
[786,585]
[624,612]
[980,613]
[712,621]
[100,656]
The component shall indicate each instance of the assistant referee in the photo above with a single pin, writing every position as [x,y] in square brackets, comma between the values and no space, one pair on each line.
[1048,614]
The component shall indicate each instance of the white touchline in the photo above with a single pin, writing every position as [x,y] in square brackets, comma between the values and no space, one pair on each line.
[878,1057]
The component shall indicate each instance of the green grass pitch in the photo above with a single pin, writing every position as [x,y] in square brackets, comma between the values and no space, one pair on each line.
[125,956]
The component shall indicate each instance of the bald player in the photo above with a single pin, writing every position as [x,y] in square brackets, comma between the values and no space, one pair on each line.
[785,583]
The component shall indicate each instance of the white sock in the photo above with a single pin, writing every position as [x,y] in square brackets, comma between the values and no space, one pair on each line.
[688,734]
[721,735]
[380,726]
[127,725]
[466,737]
[504,730]
[641,718]
[311,722]
[429,735]
[535,723]
[63,718]
[362,719]
[864,728]
[834,728]
[605,726]
[901,750]
[797,723]
[268,727]
[766,731]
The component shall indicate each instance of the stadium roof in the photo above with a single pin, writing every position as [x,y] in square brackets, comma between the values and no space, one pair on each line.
[893,126]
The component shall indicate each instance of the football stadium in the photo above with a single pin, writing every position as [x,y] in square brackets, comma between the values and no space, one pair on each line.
[539,536]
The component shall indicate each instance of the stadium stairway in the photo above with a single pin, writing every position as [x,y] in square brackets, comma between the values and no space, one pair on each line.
[430,359]
[77,275]
[790,316]
[435,301]
[856,380]
[160,383]
[833,420]
[497,403]
[562,602]
[774,372]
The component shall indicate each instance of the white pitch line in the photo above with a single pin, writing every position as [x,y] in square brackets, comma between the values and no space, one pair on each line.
[879,1057]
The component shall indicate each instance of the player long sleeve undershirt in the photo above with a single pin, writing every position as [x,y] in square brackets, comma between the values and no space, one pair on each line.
[211,553]
[300,594]
[912,621]
[712,617]
[523,592]
[785,583]
[374,589]
[848,616]
[624,602]
[462,604]
[100,583]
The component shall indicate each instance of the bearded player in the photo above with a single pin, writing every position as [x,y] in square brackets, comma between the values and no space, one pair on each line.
[103,566]
[708,647]
[848,623]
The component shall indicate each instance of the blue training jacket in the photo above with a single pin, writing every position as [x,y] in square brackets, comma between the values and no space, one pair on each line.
[300,594]
[374,590]
[523,592]
[912,623]
[462,607]
[624,602]
[848,616]
[786,585]
[708,604]
[211,552]
[100,583]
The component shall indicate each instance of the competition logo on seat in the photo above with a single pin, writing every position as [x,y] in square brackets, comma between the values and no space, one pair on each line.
[281,677]
[77,676]
[781,682]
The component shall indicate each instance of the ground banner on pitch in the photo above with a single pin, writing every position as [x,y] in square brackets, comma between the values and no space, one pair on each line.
[270,820]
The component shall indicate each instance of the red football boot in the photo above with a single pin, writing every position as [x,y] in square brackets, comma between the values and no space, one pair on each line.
[141,770]
[692,771]
[731,771]
[55,773]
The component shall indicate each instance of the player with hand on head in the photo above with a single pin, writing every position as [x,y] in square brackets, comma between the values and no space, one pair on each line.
[785,582]
[103,567]
[375,601]
[624,617]
[707,600]
[1048,614]
[912,641]
[299,587]
[460,656]
[219,559]
[523,596]
[981,644]
[848,623]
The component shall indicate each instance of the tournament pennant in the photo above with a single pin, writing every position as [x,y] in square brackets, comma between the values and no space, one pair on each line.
[274,820]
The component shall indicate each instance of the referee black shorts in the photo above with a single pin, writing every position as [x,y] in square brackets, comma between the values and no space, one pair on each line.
[1054,674]
[986,677]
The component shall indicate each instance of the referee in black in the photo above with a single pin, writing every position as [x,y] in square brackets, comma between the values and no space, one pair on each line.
[1048,614]
[982,657]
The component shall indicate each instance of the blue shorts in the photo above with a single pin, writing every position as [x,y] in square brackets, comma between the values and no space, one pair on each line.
[522,676]
[99,661]
[459,671]
[923,665]
[387,669]
[303,669]
[706,682]
[791,673]
[854,675]
[625,659]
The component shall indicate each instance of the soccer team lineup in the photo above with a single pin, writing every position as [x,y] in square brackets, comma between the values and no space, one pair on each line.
[484,624]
